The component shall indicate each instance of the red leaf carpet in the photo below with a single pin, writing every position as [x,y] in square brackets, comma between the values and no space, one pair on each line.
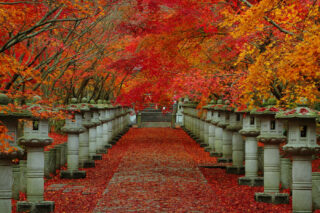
[155,170]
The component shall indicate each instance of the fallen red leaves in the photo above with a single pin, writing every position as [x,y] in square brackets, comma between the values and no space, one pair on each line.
[155,170]
[57,139]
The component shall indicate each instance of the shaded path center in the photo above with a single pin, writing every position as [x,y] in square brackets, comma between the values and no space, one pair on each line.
[157,174]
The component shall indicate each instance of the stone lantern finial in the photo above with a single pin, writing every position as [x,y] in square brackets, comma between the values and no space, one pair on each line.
[84,100]
[36,98]
[4,99]
[213,101]
[73,101]
[220,101]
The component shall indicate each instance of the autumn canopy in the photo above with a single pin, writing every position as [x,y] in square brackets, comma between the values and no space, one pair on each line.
[137,51]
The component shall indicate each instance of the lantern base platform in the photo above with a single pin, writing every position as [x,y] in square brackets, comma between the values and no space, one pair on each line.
[215,154]
[224,160]
[101,151]
[275,198]
[40,206]
[208,149]
[251,181]
[87,164]
[66,174]
[96,157]
[238,170]
[108,146]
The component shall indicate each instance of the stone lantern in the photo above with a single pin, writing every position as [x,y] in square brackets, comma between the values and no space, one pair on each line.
[100,140]
[109,117]
[251,129]
[73,128]
[84,160]
[217,139]
[93,132]
[225,111]
[271,134]
[106,125]
[301,145]
[203,129]
[235,124]
[34,140]
[218,117]
[179,114]
[210,127]
[10,120]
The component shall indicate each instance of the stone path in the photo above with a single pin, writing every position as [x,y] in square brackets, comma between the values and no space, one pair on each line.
[157,175]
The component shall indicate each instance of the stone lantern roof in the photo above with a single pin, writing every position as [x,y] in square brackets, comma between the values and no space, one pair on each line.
[300,112]
[9,155]
[225,107]
[110,105]
[5,111]
[190,104]
[84,106]
[100,105]
[93,106]
[73,106]
[241,110]
[267,109]
[13,150]
[210,105]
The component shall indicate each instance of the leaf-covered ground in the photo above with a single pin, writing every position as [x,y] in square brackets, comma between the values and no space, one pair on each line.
[155,170]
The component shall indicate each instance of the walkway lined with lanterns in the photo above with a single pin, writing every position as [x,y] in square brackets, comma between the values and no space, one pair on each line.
[104,166]
[155,170]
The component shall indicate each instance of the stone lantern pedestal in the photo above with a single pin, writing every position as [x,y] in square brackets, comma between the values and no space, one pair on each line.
[93,132]
[301,146]
[285,173]
[251,129]
[210,127]
[35,139]
[100,149]
[225,111]
[218,134]
[179,114]
[7,179]
[106,125]
[271,135]
[235,125]
[110,124]
[218,117]
[84,160]
[73,128]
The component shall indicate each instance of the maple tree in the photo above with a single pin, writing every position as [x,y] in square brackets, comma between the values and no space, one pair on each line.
[134,52]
